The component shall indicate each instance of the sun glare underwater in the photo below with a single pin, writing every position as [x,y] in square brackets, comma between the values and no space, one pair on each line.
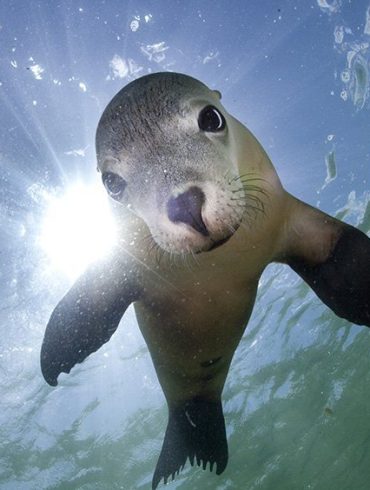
[296,401]
[78,228]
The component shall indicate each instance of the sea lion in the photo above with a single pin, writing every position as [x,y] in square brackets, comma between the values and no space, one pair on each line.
[201,212]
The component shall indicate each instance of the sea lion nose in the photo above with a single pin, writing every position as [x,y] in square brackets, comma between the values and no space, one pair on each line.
[187,208]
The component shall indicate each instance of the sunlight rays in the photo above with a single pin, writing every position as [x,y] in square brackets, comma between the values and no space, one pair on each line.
[77,228]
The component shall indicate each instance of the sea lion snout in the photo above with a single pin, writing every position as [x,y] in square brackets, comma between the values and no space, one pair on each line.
[187,208]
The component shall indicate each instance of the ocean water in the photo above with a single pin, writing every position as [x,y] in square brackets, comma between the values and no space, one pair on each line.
[297,398]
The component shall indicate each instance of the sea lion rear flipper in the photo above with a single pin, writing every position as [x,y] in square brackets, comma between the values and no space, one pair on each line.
[85,318]
[195,430]
[334,259]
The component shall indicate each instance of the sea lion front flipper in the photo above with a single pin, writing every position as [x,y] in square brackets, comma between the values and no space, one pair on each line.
[195,430]
[334,259]
[86,317]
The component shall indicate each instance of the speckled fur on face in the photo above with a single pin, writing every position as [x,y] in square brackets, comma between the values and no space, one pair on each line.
[149,136]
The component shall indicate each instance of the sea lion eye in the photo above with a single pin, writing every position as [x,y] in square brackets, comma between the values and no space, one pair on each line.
[114,184]
[210,119]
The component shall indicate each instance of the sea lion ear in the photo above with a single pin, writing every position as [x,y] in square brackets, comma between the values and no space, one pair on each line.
[218,93]
[85,319]
[334,259]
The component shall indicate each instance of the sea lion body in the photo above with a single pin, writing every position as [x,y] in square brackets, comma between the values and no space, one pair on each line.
[203,301]
[201,213]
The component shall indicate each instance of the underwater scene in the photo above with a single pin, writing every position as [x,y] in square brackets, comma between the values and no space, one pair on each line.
[296,400]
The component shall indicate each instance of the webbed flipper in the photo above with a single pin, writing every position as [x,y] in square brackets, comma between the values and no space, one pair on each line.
[195,430]
[334,259]
[85,318]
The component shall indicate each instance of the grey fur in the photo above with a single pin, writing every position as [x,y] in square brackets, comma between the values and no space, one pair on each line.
[136,114]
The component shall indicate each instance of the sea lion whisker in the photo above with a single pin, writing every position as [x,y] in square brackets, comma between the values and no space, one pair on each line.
[252,179]
[256,200]
[244,175]
[194,264]
[173,258]
[248,196]
[255,188]
[158,254]
[195,259]
[152,246]
[259,207]
[186,258]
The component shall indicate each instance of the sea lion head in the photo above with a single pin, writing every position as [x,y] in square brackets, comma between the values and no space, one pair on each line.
[169,150]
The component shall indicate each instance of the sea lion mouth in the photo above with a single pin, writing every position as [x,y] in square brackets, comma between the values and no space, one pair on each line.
[219,243]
